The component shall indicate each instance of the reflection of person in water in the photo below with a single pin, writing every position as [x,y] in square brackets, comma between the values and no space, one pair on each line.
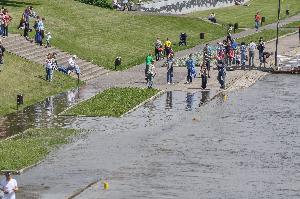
[49,106]
[169,103]
[204,97]
[189,101]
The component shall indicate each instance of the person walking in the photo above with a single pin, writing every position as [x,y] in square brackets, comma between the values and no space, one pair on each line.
[9,186]
[243,50]
[261,48]
[190,65]
[221,73]
[252,47]
[170,69]
[257,20]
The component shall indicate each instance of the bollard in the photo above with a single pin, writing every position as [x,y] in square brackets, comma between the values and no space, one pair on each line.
[263,20]
[20,100]
[202,35]
[235,27]
[118,62]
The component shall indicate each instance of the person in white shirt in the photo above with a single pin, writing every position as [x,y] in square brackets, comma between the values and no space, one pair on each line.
[73,66]
[252,48]
[9,186]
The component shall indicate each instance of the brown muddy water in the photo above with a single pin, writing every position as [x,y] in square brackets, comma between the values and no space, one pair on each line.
[242,145]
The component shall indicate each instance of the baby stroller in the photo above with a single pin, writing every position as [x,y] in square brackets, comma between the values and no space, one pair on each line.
[182,38]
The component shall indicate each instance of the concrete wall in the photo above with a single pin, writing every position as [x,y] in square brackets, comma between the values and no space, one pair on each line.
[184,6]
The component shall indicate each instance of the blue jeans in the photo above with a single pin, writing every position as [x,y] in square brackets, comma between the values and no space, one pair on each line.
[261,57]
[1,30]
[257,24]
[251,59]
[170,75]
[243,59]
[221,78]
[49,73]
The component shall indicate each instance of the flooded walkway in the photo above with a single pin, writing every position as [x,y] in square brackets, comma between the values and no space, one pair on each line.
[245,145]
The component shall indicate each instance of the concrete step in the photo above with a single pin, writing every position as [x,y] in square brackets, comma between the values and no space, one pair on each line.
[21,47]
[18,45]
[27,50]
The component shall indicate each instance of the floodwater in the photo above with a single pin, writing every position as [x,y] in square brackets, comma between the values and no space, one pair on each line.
[242,145]
[245,145]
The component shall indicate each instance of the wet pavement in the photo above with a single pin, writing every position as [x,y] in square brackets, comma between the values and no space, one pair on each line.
[244,145]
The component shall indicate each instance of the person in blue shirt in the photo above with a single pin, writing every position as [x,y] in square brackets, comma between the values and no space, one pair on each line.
[190,65]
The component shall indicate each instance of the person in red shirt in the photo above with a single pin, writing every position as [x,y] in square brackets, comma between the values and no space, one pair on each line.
[257,20]
[6,21]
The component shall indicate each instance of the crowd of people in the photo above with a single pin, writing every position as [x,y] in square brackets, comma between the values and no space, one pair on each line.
[228,54]
[51,64]
[39,28]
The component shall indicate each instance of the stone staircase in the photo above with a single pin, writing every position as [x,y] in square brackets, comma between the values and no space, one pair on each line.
[19,46]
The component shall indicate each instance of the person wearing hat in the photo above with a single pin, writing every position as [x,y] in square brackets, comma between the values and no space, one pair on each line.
[9,186]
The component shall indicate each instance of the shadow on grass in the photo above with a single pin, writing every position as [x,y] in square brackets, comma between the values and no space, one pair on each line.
[16,3]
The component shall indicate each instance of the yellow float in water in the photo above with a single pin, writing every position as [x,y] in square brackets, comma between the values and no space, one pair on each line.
[105,185]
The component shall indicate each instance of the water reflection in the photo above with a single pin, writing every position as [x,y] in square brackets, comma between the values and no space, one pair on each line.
[169,100]
[43,114]
[189,101]
[204,97]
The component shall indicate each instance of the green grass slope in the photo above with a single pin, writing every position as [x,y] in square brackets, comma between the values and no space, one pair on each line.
[99,35]
[27,78]
[244,15]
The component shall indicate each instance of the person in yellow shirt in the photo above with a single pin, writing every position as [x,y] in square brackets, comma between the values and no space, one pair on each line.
[167,45]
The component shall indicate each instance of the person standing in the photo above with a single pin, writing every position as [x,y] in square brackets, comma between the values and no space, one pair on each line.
[49,68]
[190,65]
[207,58]
[261,48]
[243,50]
[6,21]
[257,20]
[158,48]
[167,45]
[9,186]
[170,62]
[149,60]
[252,47]
[151,74]
[221,73]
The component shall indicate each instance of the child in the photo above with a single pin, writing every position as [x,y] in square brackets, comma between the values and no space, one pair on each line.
[238,58]
[48,38]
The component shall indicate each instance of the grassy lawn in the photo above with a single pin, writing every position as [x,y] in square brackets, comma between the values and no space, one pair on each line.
[99,35]
[21,76]
[112,102]
[244,15]
[31,147]
[268,34]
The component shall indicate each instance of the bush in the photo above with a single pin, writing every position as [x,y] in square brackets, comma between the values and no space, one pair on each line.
[99,3]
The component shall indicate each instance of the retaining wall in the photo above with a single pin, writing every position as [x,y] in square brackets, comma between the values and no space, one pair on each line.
[184,6]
